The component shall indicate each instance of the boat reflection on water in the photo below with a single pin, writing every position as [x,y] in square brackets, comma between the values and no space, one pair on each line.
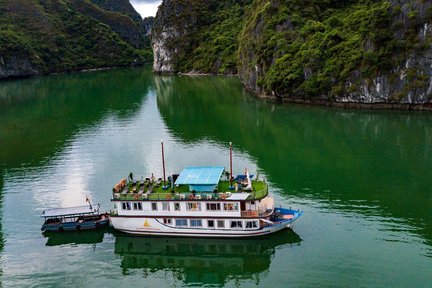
[76,237]
[202,261]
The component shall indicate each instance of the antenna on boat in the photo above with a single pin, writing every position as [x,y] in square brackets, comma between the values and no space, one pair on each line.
[231,187]
[163,166]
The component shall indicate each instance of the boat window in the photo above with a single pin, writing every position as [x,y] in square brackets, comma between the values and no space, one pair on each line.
[194,206]
[53,220]
[221,223]
[177,206]
[71,219]
[167,221]
[137,206]
[181,222]
[213,206]
[165,206]
[251,224]
[231,206]
[126,206]
[236,224]
[154,206]
[195,223]
[210,223]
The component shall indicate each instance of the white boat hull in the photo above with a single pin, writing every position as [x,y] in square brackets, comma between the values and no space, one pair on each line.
[152,226]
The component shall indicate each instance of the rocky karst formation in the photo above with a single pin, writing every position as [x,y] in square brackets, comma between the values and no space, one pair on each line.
[356,51]
[50,36]
[198,36]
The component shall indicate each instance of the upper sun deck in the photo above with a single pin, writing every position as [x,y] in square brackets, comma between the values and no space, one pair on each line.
[154,190]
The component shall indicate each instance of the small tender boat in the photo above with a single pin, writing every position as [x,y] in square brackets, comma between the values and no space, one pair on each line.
[74,219]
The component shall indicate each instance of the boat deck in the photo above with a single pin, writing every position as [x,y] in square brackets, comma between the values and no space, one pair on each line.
[145,190]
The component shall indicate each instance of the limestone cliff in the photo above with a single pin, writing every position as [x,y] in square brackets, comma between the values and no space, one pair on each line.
[122,24]
[354,51]
[174,24]
[124,20]
[198,36]
[357,51]
[46,36]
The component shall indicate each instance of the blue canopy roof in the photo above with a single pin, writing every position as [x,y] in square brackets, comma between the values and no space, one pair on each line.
[202,175]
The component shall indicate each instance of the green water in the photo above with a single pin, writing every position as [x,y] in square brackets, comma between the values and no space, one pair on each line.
[362,178]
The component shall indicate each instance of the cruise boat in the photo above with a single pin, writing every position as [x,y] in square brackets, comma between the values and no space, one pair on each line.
[198,202]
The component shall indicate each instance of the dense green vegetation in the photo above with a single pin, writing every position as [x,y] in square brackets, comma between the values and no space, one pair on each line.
[323,49]
[208,32]
[217,44]
[120,6]
[58,36]
[314,48]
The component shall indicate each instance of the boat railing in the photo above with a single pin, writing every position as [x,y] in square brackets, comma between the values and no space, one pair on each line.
[259,194]
[171,196]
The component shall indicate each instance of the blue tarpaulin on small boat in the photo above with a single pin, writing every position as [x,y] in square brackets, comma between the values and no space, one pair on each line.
[200,176]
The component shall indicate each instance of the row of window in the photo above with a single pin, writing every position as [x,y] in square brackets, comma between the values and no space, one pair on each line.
[190,206]
[196,223]
[136,206]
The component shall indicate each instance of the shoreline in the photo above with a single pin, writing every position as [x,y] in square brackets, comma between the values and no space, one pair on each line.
[321,102]
[27,76]
[345,105]
[312,102]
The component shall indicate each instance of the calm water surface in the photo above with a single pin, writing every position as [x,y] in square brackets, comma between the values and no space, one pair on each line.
[362,178]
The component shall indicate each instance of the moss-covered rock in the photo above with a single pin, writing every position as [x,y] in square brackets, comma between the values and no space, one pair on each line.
[197,36]
[336,51]
[45,36]
[353,51]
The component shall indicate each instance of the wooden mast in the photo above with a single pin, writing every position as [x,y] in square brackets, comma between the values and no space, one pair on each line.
[163,165]
[231,186]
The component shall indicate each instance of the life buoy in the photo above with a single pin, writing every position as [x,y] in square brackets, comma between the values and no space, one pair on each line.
[136,196]
[168,196]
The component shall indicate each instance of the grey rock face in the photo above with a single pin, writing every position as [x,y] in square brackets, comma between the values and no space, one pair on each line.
[410,83]
[173,26]
[14,66]
[407,83]
[162,55]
